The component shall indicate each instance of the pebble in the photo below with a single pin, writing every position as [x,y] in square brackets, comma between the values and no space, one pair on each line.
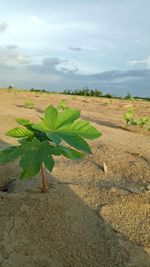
[148,187]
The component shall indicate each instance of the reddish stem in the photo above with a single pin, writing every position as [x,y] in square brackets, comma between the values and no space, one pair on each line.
[43,178]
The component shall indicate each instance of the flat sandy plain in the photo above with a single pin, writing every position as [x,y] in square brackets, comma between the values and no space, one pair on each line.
[88,217]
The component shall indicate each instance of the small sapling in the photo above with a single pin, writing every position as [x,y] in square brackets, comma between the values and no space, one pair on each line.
[58,133]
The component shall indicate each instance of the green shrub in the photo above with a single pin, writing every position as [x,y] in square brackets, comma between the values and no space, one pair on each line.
[108,96]
[128,96]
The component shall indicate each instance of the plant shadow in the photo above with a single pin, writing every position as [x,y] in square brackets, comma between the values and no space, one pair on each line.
[104,123]
[57,228]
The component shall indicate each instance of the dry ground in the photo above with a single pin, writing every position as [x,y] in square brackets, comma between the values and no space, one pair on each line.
[88,218]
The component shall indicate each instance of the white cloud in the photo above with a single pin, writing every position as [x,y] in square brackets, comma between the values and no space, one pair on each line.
[145,61]
[3,26]
[41,23]
[54,65]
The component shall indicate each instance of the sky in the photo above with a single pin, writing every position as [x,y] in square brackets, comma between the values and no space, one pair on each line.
[63,44]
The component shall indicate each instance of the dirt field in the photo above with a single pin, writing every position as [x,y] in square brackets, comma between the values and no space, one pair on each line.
[88,217]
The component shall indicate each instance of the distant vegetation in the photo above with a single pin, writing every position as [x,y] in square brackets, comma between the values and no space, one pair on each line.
[85,91]
[98,93]
[38,90]
[128,96]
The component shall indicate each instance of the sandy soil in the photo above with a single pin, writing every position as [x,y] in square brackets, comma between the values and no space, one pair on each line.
[87,217]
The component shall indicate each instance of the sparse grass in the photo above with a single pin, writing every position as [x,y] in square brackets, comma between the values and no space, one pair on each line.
[74,98]
[29,104]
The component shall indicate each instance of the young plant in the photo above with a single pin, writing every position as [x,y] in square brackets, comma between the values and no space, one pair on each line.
[29,104]
[40,142]
[129,116]
[63,105]
[143,121]
[133,122]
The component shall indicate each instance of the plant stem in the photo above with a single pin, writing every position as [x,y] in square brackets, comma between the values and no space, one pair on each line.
[43,178]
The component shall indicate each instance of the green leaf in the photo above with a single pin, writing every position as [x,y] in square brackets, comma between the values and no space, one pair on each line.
[28,124]
[54,150]
[29,164]
[66,122]
[29,145]
[67,116]
[23,122]
[34,156]
[53,120]
[10,153]
[82,128]
[49,120]
[68,128]
[50,117]
[133,121]
[40,127]
[143,121]
[54,137]
[49,163]
[71,153]
[20,132]
[76,141]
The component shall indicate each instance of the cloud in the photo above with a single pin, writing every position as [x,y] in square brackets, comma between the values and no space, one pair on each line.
[10,55]
[54,73]
[48,65]
[145,61]
[50,26]
[116,82]
[11,47]
[69,71]
[54,65]
[75,48]
[22,59]
[120,82]
[3,26]
[121,75]
[52,61]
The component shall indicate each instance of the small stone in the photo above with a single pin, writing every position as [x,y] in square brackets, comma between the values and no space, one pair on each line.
[113,189]
[135,190]
[105,167]
[148,187]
